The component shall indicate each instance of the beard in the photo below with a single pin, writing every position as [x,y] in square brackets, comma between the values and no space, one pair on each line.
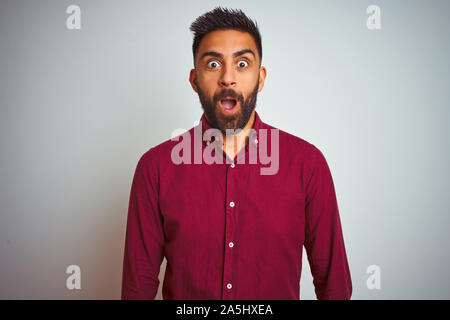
[221,121]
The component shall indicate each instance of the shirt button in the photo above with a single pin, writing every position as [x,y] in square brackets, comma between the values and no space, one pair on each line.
[232,204]
[256,140]
[232,165]
[231,244]
[229,286]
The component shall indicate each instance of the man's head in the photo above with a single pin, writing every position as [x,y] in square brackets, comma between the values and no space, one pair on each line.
[227,59]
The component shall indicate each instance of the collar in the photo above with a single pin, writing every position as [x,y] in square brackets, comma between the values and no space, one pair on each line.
[253,134]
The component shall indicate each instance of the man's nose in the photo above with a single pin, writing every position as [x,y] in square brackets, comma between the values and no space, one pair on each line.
[228,77]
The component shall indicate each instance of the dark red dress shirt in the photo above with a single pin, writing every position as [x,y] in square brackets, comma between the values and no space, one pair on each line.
[229,232]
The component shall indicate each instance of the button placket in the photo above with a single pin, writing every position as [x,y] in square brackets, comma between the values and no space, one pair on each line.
[230,216]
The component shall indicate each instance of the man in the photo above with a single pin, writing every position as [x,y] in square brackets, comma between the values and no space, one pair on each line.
[228,229]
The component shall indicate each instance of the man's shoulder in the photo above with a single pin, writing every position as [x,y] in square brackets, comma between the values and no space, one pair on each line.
[301,151]
[293,142]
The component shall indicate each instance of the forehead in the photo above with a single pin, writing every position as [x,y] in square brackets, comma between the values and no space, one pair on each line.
[227,42]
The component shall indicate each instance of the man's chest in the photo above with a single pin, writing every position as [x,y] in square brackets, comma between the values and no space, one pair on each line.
[203,203]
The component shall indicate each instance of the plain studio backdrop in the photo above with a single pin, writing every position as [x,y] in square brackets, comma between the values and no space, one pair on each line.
[79,107]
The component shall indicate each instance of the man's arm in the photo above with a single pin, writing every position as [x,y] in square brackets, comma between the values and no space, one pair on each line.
[144,243]
[324,241]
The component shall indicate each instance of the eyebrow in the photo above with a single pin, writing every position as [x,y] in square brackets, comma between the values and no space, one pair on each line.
[219,55]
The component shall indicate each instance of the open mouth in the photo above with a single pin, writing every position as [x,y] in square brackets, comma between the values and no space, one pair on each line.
[228,104]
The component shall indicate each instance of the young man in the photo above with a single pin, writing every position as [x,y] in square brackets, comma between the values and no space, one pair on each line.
[232,228]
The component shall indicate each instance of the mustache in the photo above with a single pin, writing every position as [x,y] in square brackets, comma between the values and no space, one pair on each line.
[228,93]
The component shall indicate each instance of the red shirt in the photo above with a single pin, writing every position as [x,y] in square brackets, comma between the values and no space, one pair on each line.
[230,232]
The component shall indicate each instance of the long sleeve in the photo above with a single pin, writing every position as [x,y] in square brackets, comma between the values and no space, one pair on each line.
[324,241]
[144,243]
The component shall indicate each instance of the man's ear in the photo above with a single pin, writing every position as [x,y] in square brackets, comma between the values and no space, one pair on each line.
[262,77]
[192,77]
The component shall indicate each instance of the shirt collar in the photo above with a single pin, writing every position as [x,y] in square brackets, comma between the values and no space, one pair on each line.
[257,125]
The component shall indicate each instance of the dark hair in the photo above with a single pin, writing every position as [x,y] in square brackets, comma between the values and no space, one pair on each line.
[223,19]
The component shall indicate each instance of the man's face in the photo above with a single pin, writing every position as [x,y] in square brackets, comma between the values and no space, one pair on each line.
[227,65]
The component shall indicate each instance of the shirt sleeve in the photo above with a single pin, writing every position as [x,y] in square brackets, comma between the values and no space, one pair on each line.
[144,241]
[324,241]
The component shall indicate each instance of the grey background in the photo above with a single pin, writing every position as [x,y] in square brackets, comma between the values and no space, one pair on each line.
[79,107]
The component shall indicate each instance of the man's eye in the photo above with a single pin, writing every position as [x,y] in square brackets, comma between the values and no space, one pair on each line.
[213,64]
[242,63]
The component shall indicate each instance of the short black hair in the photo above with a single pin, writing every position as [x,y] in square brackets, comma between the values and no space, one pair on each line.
[224,19]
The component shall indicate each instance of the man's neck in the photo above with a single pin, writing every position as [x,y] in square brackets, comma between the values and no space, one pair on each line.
[234,143]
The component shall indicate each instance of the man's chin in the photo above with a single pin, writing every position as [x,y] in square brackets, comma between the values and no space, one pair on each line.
[227,121]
